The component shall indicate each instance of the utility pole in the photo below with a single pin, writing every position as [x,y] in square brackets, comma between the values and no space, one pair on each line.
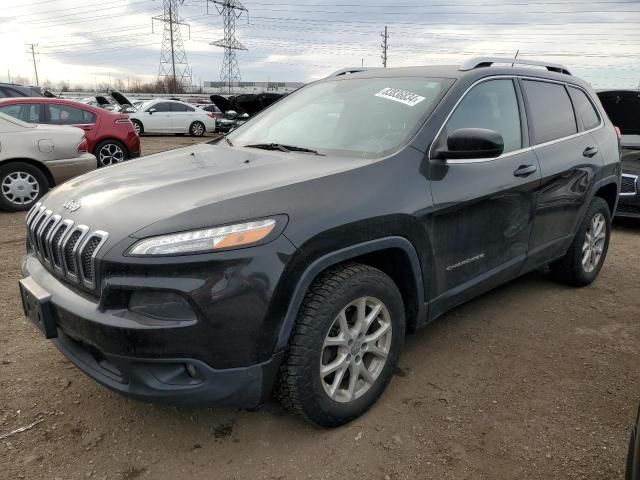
[230,11]
[32,51]
[385,46]
[174,71]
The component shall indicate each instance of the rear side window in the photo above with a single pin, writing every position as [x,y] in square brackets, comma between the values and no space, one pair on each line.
[162,107]
[180,107]
[550,111]
[493,105]
[65,115]
[622,107]
[27,112]
[584,108]
[88,117]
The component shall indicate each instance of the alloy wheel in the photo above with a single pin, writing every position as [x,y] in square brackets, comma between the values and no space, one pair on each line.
[136,127]
[110,154]
[20,188]
[197,129]
[355,349]
[594,241]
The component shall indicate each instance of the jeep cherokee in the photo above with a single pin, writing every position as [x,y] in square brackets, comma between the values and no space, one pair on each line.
[292,256]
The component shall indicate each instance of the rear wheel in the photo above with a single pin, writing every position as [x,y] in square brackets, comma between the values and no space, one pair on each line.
[197,129]
[110,152]
[21,185]
[137,125]
[584,259]
[345,345]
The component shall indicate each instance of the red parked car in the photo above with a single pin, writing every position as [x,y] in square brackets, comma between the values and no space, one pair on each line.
[110,136]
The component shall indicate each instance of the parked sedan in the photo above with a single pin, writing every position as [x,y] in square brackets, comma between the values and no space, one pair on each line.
[35,158]
[623,108]
[171,116]
[110,136]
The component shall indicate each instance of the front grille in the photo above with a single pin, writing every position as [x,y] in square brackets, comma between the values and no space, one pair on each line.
[69,249]
[629,184]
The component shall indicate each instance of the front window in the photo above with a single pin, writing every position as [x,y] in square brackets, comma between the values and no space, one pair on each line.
[27,112]
[365,117]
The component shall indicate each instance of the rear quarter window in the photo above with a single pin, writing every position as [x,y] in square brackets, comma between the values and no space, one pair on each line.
[584,108]
[550,112]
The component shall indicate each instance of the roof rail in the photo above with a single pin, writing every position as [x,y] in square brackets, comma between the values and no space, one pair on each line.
[348,71]
[478,62]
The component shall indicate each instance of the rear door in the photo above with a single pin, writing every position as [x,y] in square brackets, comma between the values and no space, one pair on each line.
[182,116]
[569,160]
[62,114]
[483,208]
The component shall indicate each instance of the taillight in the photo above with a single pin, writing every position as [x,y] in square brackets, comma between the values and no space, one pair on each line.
[618,133]
[210,114]
[83,147]
[123,120]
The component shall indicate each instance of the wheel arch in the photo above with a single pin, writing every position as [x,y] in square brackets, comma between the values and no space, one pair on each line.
[608,191]
[34,163]
[390,254]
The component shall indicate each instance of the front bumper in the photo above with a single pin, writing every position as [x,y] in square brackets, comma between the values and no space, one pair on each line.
[223,358]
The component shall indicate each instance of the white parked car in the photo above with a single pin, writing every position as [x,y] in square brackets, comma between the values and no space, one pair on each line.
[172,116]
[35,158]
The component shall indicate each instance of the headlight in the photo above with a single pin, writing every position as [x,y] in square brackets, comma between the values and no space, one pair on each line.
[206,240]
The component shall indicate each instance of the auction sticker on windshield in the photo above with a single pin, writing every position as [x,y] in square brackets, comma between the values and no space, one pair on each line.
[402,96]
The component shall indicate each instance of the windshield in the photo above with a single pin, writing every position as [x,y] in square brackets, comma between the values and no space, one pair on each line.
[365,117]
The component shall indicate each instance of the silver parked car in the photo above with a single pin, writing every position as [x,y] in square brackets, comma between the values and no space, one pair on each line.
[35,158]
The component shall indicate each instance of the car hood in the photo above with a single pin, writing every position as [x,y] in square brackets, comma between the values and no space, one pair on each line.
[198,183]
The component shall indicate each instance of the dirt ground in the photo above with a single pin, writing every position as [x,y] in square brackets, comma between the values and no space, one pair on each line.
[533,380]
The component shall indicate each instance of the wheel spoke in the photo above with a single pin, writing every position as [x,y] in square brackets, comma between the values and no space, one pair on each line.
[377,335]
[366,375]
[337,380]
[354,376]
[338,341]
[333,366]
[377,351]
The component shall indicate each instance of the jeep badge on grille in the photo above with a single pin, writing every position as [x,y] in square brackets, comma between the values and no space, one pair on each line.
[72,205]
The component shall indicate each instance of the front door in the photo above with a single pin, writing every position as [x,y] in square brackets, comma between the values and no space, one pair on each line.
[483,208]
[160,120]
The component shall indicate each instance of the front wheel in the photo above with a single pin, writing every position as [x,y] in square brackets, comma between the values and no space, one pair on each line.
[345,345]
[197,129]
[584,259]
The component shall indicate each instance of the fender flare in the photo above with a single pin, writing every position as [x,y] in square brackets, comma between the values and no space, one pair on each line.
[342,255]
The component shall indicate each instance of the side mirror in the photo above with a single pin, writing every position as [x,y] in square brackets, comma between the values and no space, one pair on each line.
[151,110]
[231,114]
[466,143]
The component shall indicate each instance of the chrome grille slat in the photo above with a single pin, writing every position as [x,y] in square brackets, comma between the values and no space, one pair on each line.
[69,249]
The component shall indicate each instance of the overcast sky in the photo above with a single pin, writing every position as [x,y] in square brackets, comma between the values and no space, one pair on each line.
[288,40]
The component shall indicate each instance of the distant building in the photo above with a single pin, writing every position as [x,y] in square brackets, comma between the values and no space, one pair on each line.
[251,87]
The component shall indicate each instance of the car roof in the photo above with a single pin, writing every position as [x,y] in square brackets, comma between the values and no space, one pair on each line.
[456,72]
[58,101]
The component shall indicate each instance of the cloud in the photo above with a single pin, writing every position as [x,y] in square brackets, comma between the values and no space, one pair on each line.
[304,40]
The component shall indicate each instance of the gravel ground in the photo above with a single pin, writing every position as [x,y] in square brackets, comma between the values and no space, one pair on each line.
[532,380]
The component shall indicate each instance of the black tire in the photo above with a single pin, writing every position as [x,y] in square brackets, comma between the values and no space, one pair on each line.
[300,387]
[33,176]
[570,269]
[110,149]
[137,125]
[196,129]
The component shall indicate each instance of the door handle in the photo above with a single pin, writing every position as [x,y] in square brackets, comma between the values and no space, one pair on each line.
[590,151]
[525,170]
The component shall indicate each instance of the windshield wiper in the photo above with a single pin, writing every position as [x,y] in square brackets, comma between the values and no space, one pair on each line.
[282,148]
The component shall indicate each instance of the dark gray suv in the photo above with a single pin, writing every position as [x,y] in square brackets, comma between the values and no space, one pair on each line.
[298,250]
